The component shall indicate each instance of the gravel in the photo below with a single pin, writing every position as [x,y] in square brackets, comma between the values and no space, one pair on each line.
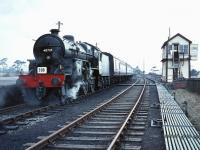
[153,137]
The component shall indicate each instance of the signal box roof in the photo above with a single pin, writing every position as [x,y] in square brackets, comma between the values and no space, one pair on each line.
[178,34]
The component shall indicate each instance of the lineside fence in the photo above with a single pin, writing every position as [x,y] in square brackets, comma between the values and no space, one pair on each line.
[193,85]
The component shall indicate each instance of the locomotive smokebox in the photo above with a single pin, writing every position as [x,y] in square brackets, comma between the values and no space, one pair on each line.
[49,48]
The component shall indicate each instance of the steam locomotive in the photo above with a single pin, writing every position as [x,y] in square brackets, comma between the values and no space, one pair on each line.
[62,65]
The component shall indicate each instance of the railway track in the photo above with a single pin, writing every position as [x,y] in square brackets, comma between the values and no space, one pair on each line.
[13,122]
[16,107]
[11,108]
[104,127]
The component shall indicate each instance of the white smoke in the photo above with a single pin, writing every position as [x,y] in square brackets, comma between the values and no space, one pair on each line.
[10,95]
[72,92]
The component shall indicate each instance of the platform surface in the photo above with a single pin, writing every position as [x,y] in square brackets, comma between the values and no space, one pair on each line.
[179,133]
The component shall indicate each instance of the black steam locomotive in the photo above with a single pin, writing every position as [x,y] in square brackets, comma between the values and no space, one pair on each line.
[66,67]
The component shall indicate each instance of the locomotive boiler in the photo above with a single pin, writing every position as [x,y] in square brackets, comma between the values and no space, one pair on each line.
[62,65]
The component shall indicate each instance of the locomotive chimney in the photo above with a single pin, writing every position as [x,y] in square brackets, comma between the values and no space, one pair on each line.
[54,31]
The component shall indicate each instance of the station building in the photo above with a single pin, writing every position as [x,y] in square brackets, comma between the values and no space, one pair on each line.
[177,53]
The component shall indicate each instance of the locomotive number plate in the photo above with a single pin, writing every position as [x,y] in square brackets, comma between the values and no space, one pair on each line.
[41,70]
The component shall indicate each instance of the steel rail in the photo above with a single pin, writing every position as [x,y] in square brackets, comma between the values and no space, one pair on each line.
[6,109]
[51,138]
[26,114]
[119,133]
[33,112]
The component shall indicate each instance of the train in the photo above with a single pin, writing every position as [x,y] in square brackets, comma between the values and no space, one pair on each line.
[62,65]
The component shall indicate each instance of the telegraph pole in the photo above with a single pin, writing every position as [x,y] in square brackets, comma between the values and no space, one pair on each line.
[143,65]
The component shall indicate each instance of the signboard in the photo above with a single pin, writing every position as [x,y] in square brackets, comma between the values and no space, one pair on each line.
[41,70]
[194,51]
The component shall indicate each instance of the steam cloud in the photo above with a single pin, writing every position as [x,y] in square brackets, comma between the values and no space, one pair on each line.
[10,95]
[72,92]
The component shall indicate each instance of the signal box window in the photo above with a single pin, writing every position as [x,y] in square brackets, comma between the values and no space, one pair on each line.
[185,47]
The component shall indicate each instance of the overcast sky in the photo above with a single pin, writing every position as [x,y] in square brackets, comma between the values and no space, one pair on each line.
[132,30]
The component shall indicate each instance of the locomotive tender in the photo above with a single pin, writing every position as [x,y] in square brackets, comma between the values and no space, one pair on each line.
[62,64]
